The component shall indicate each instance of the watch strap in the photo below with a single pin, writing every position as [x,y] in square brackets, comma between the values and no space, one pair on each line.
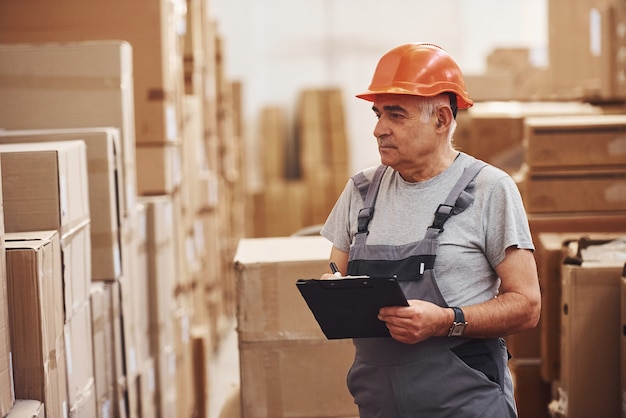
[459,316]
[459,323]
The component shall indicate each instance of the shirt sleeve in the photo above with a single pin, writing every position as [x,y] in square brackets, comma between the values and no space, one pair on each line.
[505,221]
[337,228]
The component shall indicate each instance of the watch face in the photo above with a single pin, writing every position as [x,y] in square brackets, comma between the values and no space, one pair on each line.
[457,330]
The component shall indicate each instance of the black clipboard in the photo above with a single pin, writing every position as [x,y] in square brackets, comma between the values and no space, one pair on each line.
[348,307]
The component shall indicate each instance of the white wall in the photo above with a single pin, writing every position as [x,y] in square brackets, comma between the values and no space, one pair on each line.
[278,47]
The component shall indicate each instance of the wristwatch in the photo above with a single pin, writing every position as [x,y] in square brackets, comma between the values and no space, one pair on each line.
[459,324]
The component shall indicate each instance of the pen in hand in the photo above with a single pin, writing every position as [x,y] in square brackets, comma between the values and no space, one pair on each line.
[335,270]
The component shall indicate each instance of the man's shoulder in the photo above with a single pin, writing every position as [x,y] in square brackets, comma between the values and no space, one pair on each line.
[489,173]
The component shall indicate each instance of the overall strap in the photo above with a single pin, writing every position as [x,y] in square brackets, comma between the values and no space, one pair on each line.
[369,195]
[362,184]
[452,204]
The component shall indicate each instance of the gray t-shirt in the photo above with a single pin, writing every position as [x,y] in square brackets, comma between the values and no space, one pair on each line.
[473,242]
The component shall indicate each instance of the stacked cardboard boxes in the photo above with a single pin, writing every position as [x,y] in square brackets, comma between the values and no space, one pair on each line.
[573,177]
[570,182]
[575,164]
[113,78]
[54,174]
[493,131]
[106,198]
[73,85]
[589,380]
[509,75]
[280,194]
[575,168]
[585,43]
[553,249]
[323,149]
[34,273]
[160,256]
[288,367]
[63,83]
[155,31]
[311,156]
[109,172]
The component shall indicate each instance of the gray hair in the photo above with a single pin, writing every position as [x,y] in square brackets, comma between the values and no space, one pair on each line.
[430,104]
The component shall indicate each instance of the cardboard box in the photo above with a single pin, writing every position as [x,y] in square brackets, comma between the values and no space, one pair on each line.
[80,363]
[304,379]
[273,127]
[526,344]
[532,394]
[106,189]
[161,265]
[36,311]
[131,235]
[183,361]
[288,367]
[194,61]
[165,375]
[129,330]
[321,161]
[509,75]
[270,307]
[104,348]
[208,191]
[76,270]
[188,264]
[147,389]
[86,408]
[159,169]
[118,341]
[623,342]
[44,186]
[201,349]
[210,228]
[489,129]
[590,334]
[281,208]
[194,162]
[27,409]
[59,86]
[7,392]
[570,191]
[575,141]
[138,295]
[593,70]
[551,251]
[492,86]
[576,222]
[155,30]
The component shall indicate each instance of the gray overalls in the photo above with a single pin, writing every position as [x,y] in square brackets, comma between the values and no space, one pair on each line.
[443,376]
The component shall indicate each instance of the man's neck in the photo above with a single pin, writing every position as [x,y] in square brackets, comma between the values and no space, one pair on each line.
[434,167]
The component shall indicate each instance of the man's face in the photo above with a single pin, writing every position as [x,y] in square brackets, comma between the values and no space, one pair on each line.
[404,138]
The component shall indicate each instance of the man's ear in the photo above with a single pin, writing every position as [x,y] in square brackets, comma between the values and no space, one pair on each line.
[444,116]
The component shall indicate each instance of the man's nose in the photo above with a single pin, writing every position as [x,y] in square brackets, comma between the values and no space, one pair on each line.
[381,128]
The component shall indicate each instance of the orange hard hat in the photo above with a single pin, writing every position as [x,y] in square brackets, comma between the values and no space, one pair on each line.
[418,69]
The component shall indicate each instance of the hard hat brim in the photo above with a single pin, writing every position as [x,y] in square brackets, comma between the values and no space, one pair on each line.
[370,96]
